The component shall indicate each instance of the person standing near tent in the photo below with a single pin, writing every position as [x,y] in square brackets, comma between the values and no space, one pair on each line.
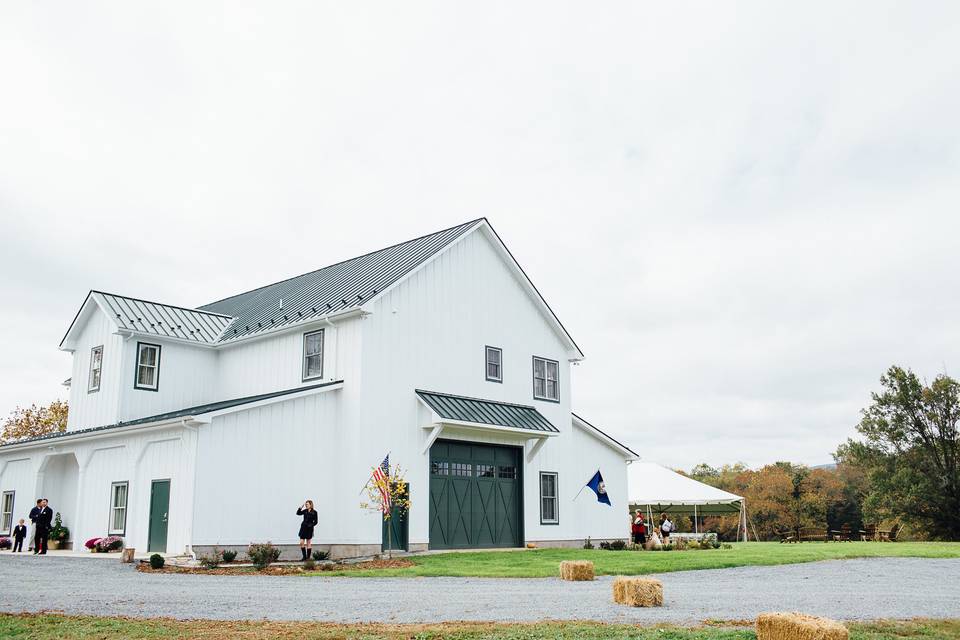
[666,527]
[639,529]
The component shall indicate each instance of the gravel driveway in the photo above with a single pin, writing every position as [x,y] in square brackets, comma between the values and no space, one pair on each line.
[844,589]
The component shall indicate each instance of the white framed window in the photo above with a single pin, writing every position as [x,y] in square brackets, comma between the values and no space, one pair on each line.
[494,364]
[118,508]
[6,513]
[313,355]
[148,367]
[546,379]
[96,364]
[549,504]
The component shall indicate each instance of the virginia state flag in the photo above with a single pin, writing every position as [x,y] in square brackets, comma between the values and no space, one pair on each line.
[599,488]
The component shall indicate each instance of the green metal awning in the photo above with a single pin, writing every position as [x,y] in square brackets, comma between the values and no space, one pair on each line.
[461,409]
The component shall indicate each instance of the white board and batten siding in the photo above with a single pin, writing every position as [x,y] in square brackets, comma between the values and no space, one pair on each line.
[98,408]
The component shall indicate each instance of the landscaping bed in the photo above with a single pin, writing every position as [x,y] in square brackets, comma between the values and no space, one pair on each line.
[45,626]
[280,569]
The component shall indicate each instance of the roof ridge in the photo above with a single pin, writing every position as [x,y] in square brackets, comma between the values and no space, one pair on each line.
[162,304]
[362,255]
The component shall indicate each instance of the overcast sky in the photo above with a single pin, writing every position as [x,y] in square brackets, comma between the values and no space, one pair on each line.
[743,213]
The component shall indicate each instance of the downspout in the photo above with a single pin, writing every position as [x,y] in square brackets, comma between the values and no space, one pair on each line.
[193,490]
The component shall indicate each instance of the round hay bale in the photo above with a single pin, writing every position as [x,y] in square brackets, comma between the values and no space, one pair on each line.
[798,626]
[576,570]
[638,592]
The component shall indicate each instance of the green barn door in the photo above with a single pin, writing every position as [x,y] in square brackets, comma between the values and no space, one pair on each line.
[475,496]
[159,511]
[397,537]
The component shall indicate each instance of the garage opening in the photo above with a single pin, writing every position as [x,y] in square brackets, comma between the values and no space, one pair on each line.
[475,495]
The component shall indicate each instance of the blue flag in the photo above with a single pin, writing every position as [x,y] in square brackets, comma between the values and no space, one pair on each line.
[596,483]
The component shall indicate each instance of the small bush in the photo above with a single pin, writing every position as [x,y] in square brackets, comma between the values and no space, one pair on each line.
[210,561]
[679,544]
[110,543]
[92,543]
[604,545]
[229,555]
[263,554]
[587,544]
[617,545]
[309,564]
[156,561]
[726,545]
[5,543]
[320,555]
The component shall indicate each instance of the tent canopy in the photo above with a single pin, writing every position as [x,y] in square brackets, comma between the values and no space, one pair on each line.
[661,490]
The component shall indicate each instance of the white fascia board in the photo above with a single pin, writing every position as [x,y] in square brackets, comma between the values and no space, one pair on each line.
[152,337]
[588,428]
[206,418]
[494,428]
[93,299]
[69,438]
[299,325]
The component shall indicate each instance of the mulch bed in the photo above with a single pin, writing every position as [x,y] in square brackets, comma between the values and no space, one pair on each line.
[277,569]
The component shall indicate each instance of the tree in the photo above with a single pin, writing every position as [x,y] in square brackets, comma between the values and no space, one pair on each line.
[910,451]
[34,422]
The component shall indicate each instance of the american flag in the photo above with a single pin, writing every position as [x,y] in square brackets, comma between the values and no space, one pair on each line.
[381,478]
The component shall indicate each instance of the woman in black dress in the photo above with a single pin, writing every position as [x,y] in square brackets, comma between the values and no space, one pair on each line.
[306,528]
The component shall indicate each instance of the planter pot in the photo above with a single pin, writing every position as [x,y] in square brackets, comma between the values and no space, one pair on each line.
[53,544]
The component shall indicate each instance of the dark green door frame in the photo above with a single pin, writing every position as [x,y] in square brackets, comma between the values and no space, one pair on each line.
[159,516]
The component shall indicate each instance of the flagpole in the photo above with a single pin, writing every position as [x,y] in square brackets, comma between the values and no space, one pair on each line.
[579,492]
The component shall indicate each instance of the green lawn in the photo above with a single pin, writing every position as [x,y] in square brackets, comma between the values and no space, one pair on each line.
[539,563]
[50,627]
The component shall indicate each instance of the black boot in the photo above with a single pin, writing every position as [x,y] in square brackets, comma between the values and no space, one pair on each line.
[309,553]
[303,552]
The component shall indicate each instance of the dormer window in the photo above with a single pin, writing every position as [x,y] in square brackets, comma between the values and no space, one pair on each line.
[313,355]
[96,363]
[546,379]
[148,367]
[494,364]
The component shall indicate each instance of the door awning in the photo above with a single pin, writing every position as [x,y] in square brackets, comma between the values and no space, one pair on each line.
[477,412]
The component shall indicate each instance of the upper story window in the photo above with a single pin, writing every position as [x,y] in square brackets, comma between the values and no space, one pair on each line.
[546,379]
[494,364]
[96,363]
[313,355]
[148,367]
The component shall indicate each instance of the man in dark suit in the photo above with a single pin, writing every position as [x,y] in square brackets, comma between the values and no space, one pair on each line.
[19,533]
[34,514]
[44,524]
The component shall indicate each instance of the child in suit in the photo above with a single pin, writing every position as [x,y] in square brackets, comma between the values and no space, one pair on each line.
[19,533]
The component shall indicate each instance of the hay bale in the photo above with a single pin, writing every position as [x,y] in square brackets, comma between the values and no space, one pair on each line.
[798,626]
[576,570]
[638,592]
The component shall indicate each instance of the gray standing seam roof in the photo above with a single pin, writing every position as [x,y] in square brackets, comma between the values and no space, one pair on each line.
[492,412]
[165,319]
[182,413]
[338,287]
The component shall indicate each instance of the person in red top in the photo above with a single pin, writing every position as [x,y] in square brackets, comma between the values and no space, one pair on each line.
[639,529]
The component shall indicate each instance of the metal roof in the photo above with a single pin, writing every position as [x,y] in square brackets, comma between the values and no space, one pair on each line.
[338,287]
[163,319]
[180,413]
[492,412]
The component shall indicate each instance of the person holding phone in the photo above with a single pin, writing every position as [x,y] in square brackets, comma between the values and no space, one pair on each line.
[306,528]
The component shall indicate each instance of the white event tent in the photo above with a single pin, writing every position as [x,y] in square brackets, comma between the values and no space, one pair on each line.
[656,489]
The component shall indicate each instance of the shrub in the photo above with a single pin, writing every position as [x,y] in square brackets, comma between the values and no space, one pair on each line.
[320,555]
[604,545]
[211,560]
[587,544]
[156,561]
[726,545]
[617,545]
[5,543]
[229,555]
[59,532]
[679,544]
[110,543]
[309,564]
[263,554]
[92,543]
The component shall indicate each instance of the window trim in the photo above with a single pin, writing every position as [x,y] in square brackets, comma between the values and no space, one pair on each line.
[91,389]
[303,355]
[126,506]
[486,363]
[533,375]
[13,505]
[556,498]
[136,368]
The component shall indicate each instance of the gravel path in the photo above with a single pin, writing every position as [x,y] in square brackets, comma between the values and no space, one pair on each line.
[843,589]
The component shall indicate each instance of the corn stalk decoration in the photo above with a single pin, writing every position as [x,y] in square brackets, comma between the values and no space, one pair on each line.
[386,497]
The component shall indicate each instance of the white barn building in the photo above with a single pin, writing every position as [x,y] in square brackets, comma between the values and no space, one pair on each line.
[190,428]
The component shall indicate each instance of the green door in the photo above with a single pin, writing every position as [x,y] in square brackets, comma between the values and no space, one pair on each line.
[159,509]
[395,539]
[475,496]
